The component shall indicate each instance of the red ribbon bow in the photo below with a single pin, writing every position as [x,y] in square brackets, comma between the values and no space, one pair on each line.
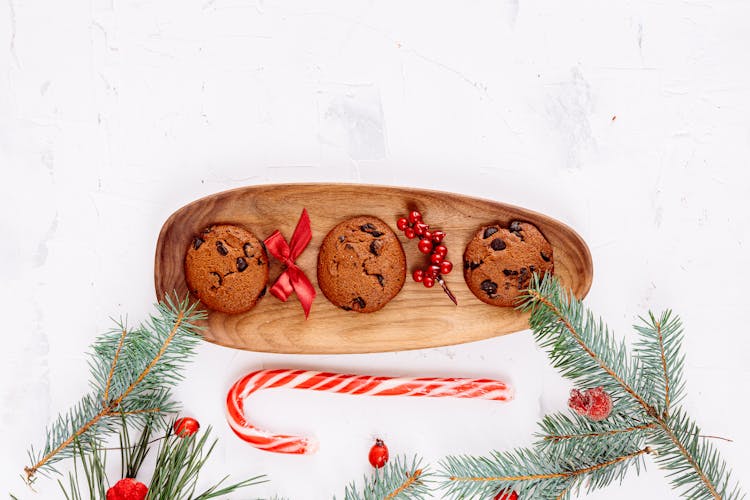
[292,279]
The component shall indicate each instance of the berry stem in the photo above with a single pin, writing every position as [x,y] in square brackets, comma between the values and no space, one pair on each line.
[447,290]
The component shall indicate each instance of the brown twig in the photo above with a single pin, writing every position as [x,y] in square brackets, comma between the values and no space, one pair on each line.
[716,437]
[556,475]
[563,437]
[108,408]
[114,364]
[447,290]
[664,367]
[410,479]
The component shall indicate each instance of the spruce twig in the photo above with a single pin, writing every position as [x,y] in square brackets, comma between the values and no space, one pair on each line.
[132,374]
[399,479]
[646,419]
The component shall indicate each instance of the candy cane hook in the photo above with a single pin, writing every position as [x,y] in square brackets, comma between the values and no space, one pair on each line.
[343,384]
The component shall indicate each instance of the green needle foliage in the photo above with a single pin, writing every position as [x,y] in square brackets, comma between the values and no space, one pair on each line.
[573,451]
[399,479]
[132,373]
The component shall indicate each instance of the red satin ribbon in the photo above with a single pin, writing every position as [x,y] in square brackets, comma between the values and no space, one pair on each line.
[292,279]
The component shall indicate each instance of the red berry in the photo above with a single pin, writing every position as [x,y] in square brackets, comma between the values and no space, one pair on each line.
[425,246]
[127,489]
[415,216]
[402,223]
[418,275]
[436,258]
[378,454]
[434,270]
[428,281]
[442,250]
[409,233]
[437,236]
[446,267]
[593,403]
[186,426]
[503,495]
[420,228]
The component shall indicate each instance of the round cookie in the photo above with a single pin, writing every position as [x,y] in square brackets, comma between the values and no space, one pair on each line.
[499,262]
[226,267]
[361,264]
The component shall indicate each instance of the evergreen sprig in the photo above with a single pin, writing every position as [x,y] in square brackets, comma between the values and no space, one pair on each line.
[399,479]
[573,451]
[132,373]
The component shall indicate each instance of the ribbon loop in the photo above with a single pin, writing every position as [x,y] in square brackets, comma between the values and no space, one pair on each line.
[292,279]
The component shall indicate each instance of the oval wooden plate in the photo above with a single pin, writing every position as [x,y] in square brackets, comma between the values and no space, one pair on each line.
[416,318]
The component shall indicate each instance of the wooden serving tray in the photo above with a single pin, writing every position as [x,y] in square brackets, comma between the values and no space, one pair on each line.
[416,318]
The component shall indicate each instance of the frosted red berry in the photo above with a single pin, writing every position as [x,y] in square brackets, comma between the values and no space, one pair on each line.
[402,223]
[127,489]
[446,267]
[186,426]
[594,403]
[378,454]
[425,246]
[503,495]
[418,275]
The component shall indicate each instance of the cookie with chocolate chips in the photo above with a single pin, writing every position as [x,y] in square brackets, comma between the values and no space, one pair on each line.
[361,265]
[499,261]
[226,267]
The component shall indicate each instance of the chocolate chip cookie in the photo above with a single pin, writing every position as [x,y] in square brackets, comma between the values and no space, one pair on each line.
[226,267]
[361,265]
[499,262]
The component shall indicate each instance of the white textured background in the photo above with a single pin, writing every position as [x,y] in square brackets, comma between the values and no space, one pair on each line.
[630,121]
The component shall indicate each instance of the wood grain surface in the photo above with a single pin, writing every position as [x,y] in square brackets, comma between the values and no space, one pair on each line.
[416,318]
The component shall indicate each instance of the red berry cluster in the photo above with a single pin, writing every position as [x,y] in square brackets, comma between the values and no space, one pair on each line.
[593,403]
[429,243]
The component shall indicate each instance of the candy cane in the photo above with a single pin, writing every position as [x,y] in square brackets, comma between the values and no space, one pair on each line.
[344,384]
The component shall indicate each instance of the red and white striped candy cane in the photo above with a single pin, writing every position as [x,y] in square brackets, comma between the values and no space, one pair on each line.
[344,384]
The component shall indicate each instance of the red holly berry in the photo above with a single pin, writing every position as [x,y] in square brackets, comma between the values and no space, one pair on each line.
[442,250]
[437,236]
[186,426]
[415,216]
[420,228]
[446,267]
[436,258]
[428,281]
[418,275]
[402,223]
[378,454]
[127,489]
[506,496]
[593,403]
[425,246]
[409,233]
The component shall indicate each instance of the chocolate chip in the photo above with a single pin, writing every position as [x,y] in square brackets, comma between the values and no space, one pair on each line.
[509,272]
[360,302]
[367,228]
[545,257]
[346,308]
[474,265]
[377,234]
[342,238]
[381,280]
[221,249]
[349,246]
[532,268]
[208,230]
[515,226]
[375,246]
[259,261]
[241,264]
[263,292]
[247,248]
[489,232]
[197,242]
[497,244]
[489,287]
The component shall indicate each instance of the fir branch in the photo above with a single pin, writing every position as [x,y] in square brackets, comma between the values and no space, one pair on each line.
[398,480]
[132,372]
[646,418]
